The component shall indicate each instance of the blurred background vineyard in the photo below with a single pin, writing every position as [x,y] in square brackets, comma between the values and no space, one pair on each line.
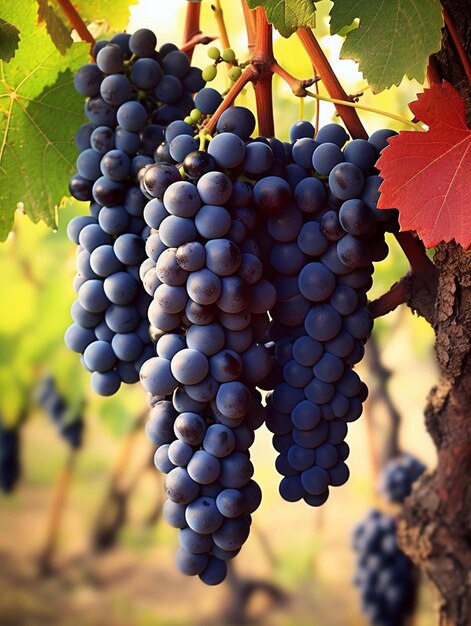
[112,559]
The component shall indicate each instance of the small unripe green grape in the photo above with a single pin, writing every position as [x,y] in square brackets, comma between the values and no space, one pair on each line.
[213,53]
[228,55]
[234,73]
[209,73]
[195,115]
[188,120]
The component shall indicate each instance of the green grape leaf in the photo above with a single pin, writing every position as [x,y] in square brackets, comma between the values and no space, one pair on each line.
[39,114]
[114,12]
[393,38]
[57,29]
[288,15]
[9,38]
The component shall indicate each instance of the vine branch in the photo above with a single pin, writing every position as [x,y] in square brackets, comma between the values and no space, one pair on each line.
[192,27]
[334,88]
[398,294]
[196,40]
[249,74]
[263,60]
[76,21]
[457,43]
[249,18]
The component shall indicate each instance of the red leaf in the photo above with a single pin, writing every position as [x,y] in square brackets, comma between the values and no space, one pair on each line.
[427,176]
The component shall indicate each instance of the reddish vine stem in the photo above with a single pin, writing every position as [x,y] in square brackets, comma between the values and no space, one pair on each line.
[249,18]
[457,43]
[76,21]
[331,82]
[197,39]
[192,26]
[263,60]
[247,75]
[398,294]
[298,87]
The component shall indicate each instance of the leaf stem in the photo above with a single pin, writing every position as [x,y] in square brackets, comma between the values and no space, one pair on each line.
[76,21]
[334,88]
[192,26]
[457,42]
[249,18]
[364,107]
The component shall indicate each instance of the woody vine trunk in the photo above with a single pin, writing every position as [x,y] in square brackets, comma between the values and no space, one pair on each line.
[435,526]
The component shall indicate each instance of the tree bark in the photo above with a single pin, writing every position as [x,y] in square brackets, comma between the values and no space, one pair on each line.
[435,525]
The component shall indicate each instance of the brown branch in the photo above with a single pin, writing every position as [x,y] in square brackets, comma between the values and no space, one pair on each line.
[457,43]
[249,17]
[56,513]
[382,374]
[249,74]
[191,28]
[414,250]
[263,60]
[433,75]
[398,294]
[196,40]
[106,526]
[348,115]
[76,21]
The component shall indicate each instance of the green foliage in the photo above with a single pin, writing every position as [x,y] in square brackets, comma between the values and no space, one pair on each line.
[9,38]
[288,15]
[57,29]
[37,153]
[393,39]
[114,12]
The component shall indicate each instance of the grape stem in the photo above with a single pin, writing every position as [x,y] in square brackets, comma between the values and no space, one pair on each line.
[334,88]
[192,27]
[364,107]
[249,18]
[76,21]
[457,43]
[247,75]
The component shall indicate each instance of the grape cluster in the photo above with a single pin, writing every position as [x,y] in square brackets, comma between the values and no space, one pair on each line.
[385,576]
[10,466]
[132,93]
[398,475]
[69,425]
[209,317]
[323,234]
